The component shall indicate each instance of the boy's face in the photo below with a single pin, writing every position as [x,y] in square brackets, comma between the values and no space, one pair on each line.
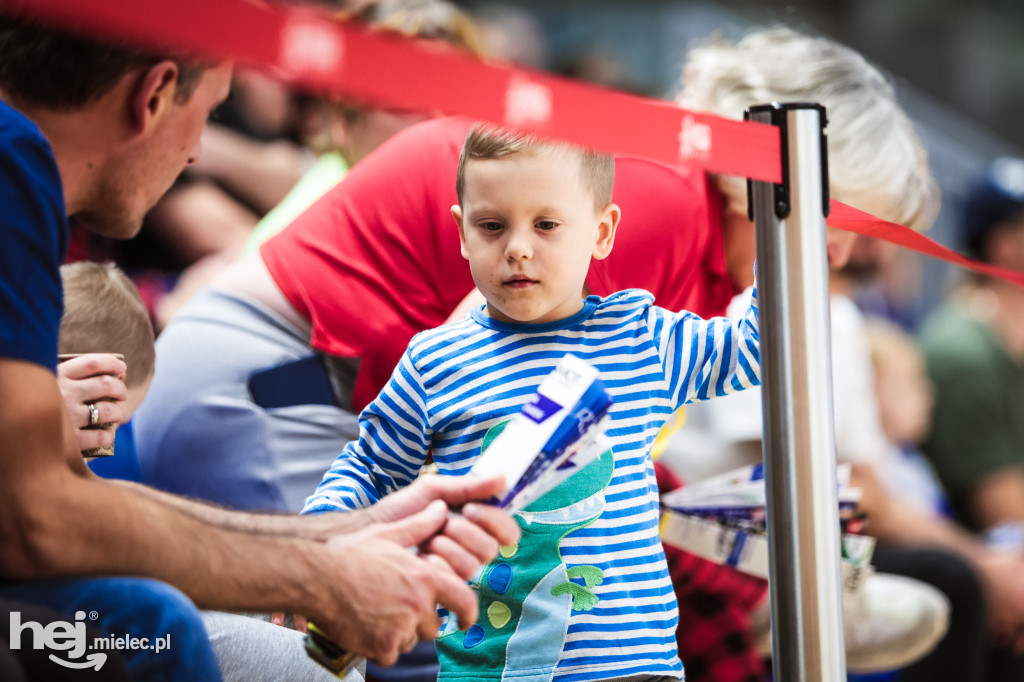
[529,228]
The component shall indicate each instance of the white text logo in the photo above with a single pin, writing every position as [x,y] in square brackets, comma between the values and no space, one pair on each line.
[527,102]
[58,635]
[73,639]
[310,47]
[694,140]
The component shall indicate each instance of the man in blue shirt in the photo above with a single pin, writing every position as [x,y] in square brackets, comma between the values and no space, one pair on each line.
[98,133]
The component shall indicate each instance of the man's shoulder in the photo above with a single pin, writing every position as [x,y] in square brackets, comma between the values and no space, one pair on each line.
[15,124]
[25,154]
[19,134]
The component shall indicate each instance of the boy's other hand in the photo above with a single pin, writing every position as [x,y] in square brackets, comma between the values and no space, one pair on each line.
[94,379]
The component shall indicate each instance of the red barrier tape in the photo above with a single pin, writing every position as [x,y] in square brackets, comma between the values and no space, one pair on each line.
[308,48]
[848,218]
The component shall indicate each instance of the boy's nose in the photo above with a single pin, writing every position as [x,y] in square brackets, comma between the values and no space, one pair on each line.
[518,246]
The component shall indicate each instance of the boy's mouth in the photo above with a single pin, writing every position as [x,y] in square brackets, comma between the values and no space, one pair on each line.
[519,282]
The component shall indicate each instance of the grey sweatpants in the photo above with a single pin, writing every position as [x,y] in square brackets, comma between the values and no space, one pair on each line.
[251,650]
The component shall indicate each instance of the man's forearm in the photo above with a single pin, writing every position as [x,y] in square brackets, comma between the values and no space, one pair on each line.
[892,520]
[95,527]
[315,527]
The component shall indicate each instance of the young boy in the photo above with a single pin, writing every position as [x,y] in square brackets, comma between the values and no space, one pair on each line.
[586,594]
[103,313]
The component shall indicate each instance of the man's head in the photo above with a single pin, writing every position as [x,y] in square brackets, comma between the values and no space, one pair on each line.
[103,313]
[993,215]
[876,162]
[123,123]
[531,215]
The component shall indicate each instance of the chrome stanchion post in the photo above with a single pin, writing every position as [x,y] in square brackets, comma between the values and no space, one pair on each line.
[799,448]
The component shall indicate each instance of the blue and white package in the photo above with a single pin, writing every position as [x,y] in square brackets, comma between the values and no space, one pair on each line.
[553,435]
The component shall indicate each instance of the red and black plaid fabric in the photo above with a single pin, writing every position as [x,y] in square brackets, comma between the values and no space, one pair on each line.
[715,602]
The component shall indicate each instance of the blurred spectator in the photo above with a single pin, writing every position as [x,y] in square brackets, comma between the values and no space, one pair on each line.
[601,68]
[340,133]
[974,346]
[886,281]
[905,401]
[769,67]
[512,34]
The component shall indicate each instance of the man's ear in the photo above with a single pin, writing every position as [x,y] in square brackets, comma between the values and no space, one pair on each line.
[457,214]
[606,231]
[153,94]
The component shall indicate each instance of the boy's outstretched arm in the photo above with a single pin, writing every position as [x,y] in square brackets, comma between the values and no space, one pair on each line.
[708,358]
[394,440]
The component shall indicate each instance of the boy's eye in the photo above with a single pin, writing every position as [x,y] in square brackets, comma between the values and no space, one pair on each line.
[546,225]
[491,226]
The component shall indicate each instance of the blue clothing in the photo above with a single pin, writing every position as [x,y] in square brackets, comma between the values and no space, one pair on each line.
[34,230]
[34,233]
[586,594]
[124,464]
[132,607]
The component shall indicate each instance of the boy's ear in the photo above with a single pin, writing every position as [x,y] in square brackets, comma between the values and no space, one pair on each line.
[153,94]
[457,214]
[606,231]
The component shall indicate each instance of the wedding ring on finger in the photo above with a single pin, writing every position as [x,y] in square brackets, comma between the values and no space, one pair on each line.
[94,414]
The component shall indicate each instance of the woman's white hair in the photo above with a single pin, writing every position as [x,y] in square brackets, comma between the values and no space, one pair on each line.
[876,161]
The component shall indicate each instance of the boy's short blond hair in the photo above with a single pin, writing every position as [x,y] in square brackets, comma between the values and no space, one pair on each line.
[103,313]
[486,141]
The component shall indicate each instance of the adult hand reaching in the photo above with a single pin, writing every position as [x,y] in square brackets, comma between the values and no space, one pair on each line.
[470,538]
[93,388]
[381,597]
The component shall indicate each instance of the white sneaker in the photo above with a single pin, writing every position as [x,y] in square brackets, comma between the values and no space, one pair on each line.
[891,622]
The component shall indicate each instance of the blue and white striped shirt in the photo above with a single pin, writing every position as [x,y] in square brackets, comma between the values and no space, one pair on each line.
[458,381]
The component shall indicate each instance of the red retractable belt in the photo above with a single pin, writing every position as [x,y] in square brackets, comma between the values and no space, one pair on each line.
[308,48]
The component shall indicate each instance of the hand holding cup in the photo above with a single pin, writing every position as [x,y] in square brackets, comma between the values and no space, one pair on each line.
[93,386]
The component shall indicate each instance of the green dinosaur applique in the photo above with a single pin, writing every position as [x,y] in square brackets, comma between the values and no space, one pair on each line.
[527,594]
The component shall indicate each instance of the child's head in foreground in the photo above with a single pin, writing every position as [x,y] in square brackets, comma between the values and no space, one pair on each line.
[531,215]
[103,313]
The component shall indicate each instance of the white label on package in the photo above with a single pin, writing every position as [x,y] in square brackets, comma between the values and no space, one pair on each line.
[515,448]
